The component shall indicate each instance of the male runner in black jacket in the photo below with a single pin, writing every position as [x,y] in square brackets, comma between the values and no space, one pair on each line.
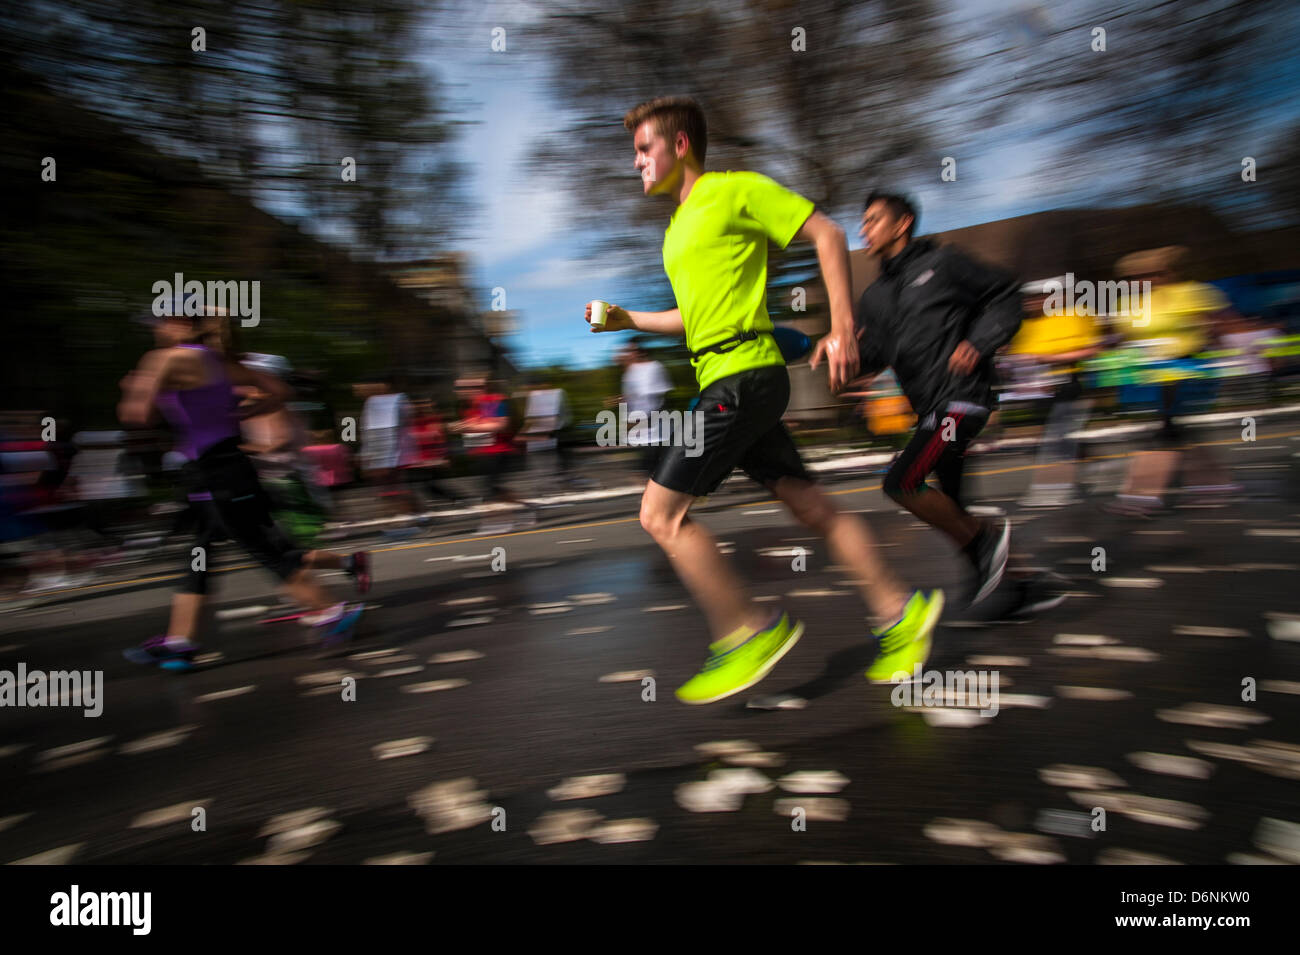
[937,317]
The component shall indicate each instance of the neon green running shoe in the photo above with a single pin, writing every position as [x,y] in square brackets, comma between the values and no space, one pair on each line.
[906,645]
[732,667]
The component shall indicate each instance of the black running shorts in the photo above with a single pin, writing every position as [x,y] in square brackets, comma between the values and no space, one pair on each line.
[229,502]
[736,424]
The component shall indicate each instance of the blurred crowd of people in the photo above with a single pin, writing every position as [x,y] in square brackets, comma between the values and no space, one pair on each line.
[82,499]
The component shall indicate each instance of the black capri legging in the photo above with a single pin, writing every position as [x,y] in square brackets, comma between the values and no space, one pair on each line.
[229,502]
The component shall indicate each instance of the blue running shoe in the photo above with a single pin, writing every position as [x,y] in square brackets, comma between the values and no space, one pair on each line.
[156,651]
[341,630]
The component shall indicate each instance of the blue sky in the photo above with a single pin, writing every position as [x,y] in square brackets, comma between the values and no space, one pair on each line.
[519,240]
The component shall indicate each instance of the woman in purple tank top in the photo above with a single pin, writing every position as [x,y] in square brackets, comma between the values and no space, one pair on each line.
[190,378]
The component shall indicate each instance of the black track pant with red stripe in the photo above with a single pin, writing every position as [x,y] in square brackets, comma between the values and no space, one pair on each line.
[938,447]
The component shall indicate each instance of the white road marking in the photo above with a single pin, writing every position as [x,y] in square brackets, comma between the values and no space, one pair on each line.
[992,662]
[1028,848]
[565,825]
[401,858]
[1083,640]
[1159,812]
[781,701]
[1279,837]
[1145,583]
[1069,776]
[618,831]
[627,676]
[456,656]
[953,717]
[466,601]
[816,809]
[1092,693]
[73,749]
[225,694]
[1128,654]
[1170,765]
[60,856]
[162,740]
[726,747]
[302,837]
[707,797]
[1193,631]
[1212,715]
[1116,856]
[587,787]
[1283,626]
[399,671]
[755,760]
[451,806]
[810,781]
[330,678]
[1280,686]
[663,608]
[8,822]
[434,686]
[589,600]
[584,631]
[579,540]
[374,654]
[771,510]
[238,613]
[973,833]
[469,621]
[402,747]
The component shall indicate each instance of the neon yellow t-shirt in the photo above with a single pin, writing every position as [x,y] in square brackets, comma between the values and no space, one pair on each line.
[1178,319]
[715,254]
[1054,335]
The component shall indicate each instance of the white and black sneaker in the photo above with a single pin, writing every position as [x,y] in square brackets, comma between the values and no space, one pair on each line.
[988,552]
[1037,594]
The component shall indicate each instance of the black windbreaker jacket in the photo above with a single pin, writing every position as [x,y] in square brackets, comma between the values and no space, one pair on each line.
[928,300]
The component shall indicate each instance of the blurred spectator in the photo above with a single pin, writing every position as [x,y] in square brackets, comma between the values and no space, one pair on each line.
[387,445]
[487,433]
[432,456]
[548,425]
[275,440]
[1055,345]
[1175,326]
[645,382]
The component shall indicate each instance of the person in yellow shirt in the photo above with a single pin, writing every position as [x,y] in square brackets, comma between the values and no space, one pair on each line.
[1177,320]
[1057,343]
[715,254]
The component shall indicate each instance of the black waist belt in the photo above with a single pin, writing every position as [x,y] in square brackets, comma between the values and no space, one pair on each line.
[727,344]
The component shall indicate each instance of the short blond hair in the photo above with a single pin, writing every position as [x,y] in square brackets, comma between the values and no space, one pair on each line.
[673,115]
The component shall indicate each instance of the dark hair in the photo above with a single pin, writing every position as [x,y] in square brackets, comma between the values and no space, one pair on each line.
[673,115]
[900,207]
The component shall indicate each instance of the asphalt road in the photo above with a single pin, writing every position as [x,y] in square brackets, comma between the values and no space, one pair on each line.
[1127,698]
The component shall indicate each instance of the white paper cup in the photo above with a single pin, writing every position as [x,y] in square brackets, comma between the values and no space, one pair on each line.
[599,310]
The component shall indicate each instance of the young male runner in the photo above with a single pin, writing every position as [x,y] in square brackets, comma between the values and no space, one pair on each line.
[937,317]
[715,254]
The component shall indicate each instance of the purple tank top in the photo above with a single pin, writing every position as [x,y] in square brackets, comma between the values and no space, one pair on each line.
[202,416]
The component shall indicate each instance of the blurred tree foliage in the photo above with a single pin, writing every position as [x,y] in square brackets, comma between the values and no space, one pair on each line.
[281,93]
[882,90]
[826,96]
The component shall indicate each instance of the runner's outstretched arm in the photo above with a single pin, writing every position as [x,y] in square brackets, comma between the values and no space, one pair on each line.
[622,319]
[840,347]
